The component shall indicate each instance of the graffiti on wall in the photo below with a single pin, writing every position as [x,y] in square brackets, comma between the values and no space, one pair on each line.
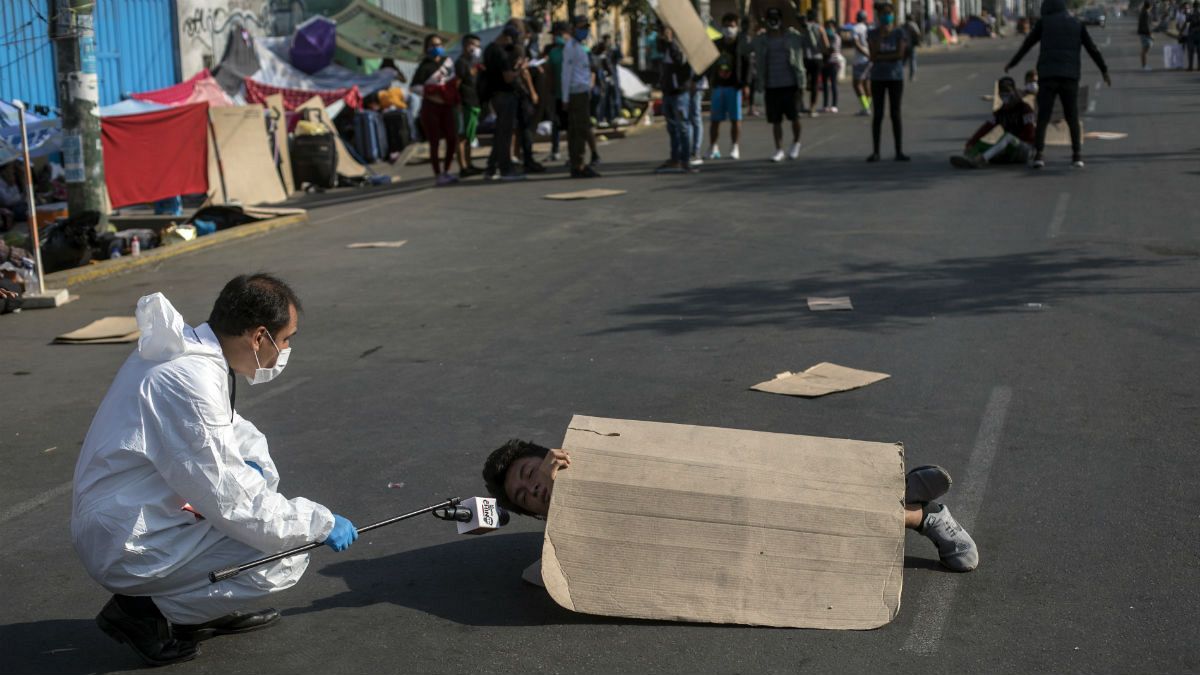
[205,24]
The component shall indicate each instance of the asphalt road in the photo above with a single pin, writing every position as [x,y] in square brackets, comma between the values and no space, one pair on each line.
[1070,423]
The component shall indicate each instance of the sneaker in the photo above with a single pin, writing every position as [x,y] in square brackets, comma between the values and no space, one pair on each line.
[833,109]
[734,153]
[778,156]
[1038,162]
[444,179]
[511,176]
[670,167]
[925,484]
[968,161]
[862,113]
[812,113]
[554,157]
[956,549]
[714,153]
[1077,162]
[534,167]
[491,175]
[901,157]
[595,161]
[585,172]
[794,151]
[690,168]
[873,158]
[696,161]
[469,171]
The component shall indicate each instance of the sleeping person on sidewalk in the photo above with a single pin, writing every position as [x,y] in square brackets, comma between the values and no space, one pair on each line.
[520,475]
[1007,138]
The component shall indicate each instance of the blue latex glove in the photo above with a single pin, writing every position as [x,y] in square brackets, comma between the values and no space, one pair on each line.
[342,535]
[256,467]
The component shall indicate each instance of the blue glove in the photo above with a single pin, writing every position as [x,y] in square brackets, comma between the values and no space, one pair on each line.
[256,467]
[342,535]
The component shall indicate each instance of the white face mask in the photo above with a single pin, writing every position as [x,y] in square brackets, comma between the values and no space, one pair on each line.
[476,52]
[730,31]
[262,375]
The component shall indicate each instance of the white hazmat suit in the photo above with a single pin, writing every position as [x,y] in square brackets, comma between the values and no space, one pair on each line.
[166,435]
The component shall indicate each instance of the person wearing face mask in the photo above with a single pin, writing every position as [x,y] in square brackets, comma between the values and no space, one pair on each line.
[1005,139]
[728,76]
[466,71]
[831,68]
[780,56]
[172,482]
[434,81]
[816,42]
[889,46]
[576,83]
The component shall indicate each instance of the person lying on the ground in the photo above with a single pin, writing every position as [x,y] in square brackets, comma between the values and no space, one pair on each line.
[520,475]
[1014,123]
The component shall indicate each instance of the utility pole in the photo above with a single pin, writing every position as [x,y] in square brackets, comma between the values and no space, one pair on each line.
[79,97]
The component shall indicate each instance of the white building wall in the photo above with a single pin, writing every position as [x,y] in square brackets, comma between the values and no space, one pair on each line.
[204,25]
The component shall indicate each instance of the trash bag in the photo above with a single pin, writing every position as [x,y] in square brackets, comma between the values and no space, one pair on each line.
[70,242]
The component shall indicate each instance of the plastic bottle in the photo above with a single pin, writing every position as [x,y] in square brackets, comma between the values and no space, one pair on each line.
[29,279]
[135,247]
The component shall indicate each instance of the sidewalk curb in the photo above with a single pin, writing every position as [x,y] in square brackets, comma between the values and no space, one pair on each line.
[110,268]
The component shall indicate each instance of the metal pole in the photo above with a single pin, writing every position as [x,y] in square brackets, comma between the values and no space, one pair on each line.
[32,203]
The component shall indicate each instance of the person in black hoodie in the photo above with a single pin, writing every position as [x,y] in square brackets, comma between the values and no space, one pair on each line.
[1058,70]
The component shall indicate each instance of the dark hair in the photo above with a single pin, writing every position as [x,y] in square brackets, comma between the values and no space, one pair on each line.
[252,300]
[559,27]
[429,38]
[727,17]
[497,464]
[470,36]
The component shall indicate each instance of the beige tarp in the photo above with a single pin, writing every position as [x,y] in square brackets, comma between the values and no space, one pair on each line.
[690,32]
[678,522]
[242,170]
[346,164]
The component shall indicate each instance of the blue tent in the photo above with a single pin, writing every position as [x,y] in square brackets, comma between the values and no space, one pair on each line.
[45,135]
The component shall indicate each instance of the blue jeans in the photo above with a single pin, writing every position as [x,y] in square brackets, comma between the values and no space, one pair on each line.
[696,122]
[676,108]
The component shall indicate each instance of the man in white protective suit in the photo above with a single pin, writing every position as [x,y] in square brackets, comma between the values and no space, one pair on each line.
[172,483]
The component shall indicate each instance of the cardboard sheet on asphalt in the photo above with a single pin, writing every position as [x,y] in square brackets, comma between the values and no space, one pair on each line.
[1106,135]
[247,173]
[595,193]
[109,330]
[839,303]
[378,244]
[821,379]
[687,523]
[690,31]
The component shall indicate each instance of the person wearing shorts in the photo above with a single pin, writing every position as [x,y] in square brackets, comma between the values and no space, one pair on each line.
[466,69]
[860,70]
[780,56]
[727,76]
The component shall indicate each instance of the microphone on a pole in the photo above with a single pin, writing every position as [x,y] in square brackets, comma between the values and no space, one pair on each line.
[476,515]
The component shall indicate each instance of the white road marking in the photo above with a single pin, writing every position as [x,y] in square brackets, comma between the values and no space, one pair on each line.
[942,89]
[972,76]
[935,602]
[1060,215]
[40,500]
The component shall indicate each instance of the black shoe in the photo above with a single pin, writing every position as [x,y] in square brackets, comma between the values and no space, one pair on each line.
[230,624]
[901,157]
[148,634]
[585,172]
[874,157]
[534,167]
[469,171]
[595,161]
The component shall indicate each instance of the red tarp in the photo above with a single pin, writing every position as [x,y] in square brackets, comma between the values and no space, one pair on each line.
[156,155]
[202,87]
[257,92]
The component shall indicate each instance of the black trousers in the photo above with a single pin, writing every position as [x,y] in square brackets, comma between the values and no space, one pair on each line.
[500,159]
[893,90]
[1067,91]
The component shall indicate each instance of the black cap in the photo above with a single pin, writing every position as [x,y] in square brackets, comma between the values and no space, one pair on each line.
[774,13]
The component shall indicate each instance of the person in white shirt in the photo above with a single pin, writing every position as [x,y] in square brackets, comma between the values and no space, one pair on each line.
[862,64]
[577,82]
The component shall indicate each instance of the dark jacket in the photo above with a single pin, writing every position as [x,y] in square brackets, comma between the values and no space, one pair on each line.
[1061,36]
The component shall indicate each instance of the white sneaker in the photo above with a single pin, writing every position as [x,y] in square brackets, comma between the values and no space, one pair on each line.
[715,153]
[695,161]
[555,157]
[778,156]
[794,152]
[734,153]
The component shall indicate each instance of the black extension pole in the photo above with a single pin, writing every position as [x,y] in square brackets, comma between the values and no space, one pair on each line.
[230,572]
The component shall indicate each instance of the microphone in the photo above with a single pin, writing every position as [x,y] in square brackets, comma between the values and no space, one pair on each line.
[476,515]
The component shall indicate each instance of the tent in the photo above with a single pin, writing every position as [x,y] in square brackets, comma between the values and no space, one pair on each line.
[276,69]
[156,155]
[202,87]
[130,106]
[45,135]
[257,92]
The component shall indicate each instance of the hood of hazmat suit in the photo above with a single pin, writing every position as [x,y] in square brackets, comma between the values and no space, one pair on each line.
[166,435]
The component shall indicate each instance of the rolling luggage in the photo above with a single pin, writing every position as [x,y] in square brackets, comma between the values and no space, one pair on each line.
[314,160]
[370,138]
[398,129]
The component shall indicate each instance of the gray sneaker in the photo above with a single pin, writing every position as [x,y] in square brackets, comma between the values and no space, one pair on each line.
[925,484]
[955,547]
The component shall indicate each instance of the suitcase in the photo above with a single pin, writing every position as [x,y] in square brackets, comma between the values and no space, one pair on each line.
[398,130]
[314,160]
[370,138]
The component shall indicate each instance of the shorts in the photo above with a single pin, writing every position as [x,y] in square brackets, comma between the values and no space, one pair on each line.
[468,122]
[781,103]
[1147,41]
[726,104]
[860,71]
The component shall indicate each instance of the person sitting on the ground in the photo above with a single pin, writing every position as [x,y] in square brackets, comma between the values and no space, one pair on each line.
[1031,83]
[520,475]
[1016,125]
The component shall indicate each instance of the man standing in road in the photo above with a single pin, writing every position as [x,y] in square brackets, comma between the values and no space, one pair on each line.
[1144,34]
[815,46]
[1058,67]
[576,86]
[862,63]
[172,483]
[503,63]
[780,56]
[728,77]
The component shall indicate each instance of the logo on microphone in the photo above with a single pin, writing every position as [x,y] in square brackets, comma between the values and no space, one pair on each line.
[489,513]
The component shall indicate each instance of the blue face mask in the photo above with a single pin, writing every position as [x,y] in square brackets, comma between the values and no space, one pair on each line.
[889,19]
[581,34]
[437,52]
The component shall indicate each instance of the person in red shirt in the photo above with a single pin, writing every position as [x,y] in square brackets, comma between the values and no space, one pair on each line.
[1007,138]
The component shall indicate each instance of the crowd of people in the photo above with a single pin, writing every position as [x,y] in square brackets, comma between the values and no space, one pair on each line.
[1174,18]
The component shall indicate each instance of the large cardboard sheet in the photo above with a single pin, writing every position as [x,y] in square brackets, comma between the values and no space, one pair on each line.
[247,168]
[346,164]
[690,31]
[678,522]
[109,330]
[821,379]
